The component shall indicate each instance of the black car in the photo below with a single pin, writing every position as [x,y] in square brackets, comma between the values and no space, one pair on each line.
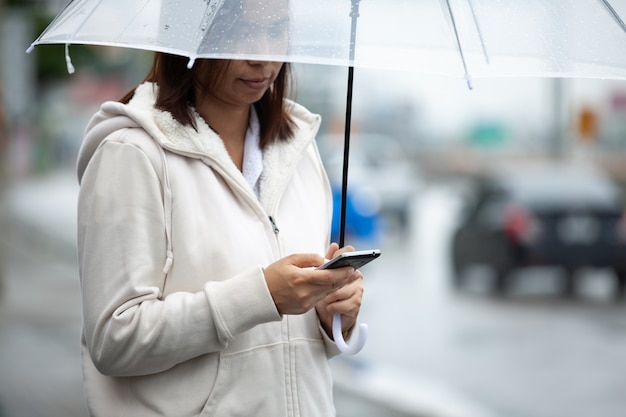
[542,215]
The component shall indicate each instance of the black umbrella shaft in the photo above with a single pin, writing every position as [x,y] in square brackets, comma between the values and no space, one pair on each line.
[346,158]
[354,14]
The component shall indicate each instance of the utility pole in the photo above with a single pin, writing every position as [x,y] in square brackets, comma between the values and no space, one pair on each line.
[3,122]
[4,139]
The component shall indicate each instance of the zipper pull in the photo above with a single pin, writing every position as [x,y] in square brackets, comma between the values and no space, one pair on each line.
[276,231]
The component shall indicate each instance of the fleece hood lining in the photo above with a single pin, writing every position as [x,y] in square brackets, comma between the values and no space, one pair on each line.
[205,144]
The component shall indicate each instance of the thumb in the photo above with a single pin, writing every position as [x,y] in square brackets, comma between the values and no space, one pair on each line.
[305,260]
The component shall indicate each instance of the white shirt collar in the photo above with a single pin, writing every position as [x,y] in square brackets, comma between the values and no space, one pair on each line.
[252,155]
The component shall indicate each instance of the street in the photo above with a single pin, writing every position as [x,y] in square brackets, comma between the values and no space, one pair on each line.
[432,351]
[531,354]
[39,330]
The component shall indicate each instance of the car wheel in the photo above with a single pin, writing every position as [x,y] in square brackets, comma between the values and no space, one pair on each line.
[502,280]
[459,265]
[458,273]
[569,282]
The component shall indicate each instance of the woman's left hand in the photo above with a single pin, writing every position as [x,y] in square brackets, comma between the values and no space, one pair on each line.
[345,300]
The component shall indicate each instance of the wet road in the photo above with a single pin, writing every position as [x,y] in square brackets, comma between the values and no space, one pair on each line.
[40,372]
[531,354]
[431,348]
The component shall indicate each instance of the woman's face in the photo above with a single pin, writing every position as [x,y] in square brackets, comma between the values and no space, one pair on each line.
[240,83]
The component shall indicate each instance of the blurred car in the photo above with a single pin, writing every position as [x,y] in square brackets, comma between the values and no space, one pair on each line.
[379,167]
[547,215]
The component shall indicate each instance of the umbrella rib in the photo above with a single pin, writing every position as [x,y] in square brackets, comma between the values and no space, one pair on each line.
[87,17]
[133,19]
[68,60]
[56,18]
[614,14]
[479,30]
[207,20]
[468,78]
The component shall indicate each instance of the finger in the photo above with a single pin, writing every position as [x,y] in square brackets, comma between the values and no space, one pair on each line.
[335,294]
[337,277]
[349,289]
[330,253]
[337,286]
[334,250]
[305,260]
[349,307]
[347,248]
[356,276]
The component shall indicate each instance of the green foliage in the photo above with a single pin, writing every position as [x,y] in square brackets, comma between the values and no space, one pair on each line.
[50,59]
[18,3]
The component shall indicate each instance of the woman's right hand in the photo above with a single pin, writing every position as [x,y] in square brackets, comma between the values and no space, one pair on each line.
[296,286]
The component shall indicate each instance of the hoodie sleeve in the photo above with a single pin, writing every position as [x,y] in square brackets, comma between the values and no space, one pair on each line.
[129,327]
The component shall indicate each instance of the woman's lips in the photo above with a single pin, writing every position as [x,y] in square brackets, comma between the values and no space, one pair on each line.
[256,84]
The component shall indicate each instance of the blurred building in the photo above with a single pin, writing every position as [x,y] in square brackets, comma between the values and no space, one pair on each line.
[46,108]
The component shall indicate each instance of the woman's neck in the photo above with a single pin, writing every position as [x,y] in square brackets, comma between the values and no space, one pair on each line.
[231,124]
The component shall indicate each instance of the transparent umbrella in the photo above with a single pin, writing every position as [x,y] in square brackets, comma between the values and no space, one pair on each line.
[459,38]
[467,38]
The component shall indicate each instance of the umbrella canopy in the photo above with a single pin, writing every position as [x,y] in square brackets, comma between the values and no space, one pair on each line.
[463,38]
[466,38]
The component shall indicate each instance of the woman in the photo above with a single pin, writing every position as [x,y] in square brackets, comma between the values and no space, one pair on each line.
[203,211]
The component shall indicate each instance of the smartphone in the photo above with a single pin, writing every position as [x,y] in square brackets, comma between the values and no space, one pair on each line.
[354,259]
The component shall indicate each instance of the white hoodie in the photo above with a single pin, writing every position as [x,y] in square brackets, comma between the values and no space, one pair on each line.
[177,317]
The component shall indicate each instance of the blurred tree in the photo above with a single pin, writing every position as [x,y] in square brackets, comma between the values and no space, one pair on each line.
[50,62]
[51,112]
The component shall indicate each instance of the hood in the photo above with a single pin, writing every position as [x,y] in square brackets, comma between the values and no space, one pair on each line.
[111,117]
[173,136]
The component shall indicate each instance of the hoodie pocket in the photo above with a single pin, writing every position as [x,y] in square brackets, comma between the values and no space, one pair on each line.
[248,383]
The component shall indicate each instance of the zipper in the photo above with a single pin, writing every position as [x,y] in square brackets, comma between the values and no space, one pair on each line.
[274,227]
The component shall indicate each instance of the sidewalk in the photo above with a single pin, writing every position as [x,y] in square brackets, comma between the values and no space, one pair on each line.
[46,208]
[40,373]
[362,390]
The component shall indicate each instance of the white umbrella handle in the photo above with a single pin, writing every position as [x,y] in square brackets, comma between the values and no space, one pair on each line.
[357,345]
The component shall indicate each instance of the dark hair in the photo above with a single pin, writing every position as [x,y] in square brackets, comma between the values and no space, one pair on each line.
[176,94]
